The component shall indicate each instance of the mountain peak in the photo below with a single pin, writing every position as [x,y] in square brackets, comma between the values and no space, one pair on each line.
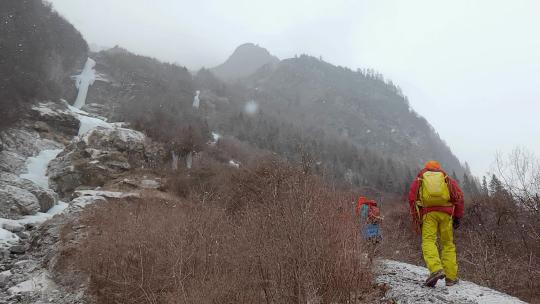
[244,61]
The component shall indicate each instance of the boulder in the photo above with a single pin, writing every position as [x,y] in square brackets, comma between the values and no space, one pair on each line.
[99,156]
[46,197]
[25,142]
[117,138]
[58,116]
[16,202]
[63,177]
[12,162]
[13,226]
[17,249]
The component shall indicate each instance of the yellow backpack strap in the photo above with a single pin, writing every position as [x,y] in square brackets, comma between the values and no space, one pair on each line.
[418,192]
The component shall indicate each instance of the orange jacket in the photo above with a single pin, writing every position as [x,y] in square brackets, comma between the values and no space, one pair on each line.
[456,197]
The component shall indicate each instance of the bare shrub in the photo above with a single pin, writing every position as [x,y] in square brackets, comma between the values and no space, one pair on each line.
[270,234]
[400,242]
[520,172]
[499,246]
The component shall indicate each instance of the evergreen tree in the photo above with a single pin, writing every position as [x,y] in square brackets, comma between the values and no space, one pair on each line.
[495,186]
[467,187]
[454,177]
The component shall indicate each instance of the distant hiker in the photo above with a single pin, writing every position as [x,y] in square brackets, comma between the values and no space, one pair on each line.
[436,205]
[370,216]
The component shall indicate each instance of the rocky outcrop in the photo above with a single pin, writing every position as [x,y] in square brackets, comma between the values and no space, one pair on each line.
[58,116]
[24,142]
[46,197]
[100,155]
[11,162]
[15,202]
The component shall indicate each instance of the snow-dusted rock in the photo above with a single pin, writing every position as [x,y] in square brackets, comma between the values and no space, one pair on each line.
[85,167]
[16,202]
[41,282]
[11,162]
[62,174]
[17,249]
[96,110]
[46,197]
[98,156]
[4,277]
[12,226]
[58,116]
[25,142]
[116,138]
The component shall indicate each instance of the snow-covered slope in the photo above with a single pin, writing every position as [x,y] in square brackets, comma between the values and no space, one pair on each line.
[406,286]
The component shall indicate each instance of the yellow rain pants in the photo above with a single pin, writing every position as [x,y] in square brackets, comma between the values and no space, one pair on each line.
[439,222]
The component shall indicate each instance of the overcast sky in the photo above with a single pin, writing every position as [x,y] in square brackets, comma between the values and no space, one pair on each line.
[472,68]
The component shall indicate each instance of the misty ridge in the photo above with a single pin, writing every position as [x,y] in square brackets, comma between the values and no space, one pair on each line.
[229,184]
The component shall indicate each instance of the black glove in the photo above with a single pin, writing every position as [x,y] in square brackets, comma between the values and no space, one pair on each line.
[456,223]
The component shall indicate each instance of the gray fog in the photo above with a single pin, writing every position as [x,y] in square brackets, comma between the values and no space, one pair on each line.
[472,68]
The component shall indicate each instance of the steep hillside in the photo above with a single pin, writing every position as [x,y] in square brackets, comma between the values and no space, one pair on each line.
[360,107]
[245,60]
[39,51]
[361,131]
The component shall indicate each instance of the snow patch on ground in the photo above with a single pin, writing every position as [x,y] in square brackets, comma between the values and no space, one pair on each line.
[406,286]
[109,194]
[83,201]
[234,163]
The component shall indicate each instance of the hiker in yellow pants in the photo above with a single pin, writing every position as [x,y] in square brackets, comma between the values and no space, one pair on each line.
[441,223]
[436,204]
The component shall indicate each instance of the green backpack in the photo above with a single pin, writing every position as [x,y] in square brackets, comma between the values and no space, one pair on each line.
[434,189]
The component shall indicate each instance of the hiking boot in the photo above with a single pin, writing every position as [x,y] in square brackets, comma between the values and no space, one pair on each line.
[450,282]
[434,277]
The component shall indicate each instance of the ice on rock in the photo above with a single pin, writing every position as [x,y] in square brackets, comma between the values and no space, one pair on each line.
[88,122]
[174,164]
[196,101]
[83,81]
[215,138]
[189,160]
[37,167]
